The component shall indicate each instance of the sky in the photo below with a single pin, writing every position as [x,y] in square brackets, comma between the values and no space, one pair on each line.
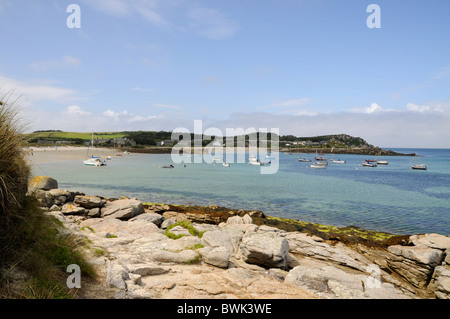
[305,67]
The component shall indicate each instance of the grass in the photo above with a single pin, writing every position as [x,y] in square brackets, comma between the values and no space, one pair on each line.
[54,136]
[185,224]
[34,253]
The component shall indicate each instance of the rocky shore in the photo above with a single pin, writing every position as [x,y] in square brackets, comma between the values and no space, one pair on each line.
[143,250]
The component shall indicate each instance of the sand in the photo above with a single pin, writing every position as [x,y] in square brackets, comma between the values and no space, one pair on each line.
[66,153]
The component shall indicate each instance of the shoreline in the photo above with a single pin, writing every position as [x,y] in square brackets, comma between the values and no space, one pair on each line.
[215,242]
[47,154]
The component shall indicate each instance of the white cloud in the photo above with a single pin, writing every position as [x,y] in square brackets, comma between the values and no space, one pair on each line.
[37,91]
[373,108]
[76,110]
[66,62]
[126,117]
[411,107]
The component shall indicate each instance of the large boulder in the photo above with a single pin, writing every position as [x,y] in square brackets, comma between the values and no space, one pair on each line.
[440,282]
[415,263]
[265,249]
[333,283]
[123,209]
[88,201]
[42,182]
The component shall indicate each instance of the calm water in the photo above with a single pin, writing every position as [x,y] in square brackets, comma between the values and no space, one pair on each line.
[390,198]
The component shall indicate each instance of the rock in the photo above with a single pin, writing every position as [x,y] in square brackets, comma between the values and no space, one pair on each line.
[42,182]
[147,269]
[177,217]
[154,218]
[432,241]
[333,283]
[218,256]
[314,247]
[229,238]
[265,249]
[440,282]
[183,257]
[247,219]
[414,263]
[71,209]
[88,201]
[116,276]
[55,208]
[235,220]
[180,231]
[123,209]
[167,222]
[94,212]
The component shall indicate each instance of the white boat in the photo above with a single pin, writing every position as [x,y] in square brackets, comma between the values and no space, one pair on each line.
[226,164]
[304,160]
[317,166]
[367,164]
[254,161]
[338,162]
[321,163]
[382,162]
[418,166]
[94,161]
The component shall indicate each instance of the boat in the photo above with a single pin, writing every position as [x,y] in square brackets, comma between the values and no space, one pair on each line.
[371,161]
[254,161]
[338,161]
[226,164]
[382,162]
[320,158]
[418,166]
[422,167]
[166,166]
[304,160]
[94,161]
[321,163]
[367,164]
[317,166]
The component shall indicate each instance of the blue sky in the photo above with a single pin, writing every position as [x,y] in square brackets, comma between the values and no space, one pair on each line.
[307,67]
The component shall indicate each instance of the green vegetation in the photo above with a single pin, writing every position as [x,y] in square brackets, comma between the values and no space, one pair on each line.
[34,252]
[185,224]
[151,138]
[349,234]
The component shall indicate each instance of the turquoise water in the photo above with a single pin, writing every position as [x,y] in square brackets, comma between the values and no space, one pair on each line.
[390,198]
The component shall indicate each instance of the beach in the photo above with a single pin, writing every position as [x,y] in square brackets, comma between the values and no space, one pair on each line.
[66,153]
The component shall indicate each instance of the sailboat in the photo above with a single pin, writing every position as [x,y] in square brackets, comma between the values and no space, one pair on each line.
[94,160]
[418,166]
[382,162]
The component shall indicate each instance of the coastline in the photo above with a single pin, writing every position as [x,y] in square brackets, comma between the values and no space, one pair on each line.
[158,251]
[66,153]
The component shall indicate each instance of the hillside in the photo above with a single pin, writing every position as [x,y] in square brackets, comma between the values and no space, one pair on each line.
[152,138]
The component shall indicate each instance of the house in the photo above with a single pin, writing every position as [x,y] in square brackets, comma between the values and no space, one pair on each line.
[123,141]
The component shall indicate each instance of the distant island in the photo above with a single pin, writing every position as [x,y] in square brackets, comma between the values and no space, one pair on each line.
[161,142]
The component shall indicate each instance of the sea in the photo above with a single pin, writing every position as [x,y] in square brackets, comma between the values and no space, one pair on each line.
[390,198]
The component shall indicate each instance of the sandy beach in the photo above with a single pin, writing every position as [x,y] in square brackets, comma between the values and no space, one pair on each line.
[66,153]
